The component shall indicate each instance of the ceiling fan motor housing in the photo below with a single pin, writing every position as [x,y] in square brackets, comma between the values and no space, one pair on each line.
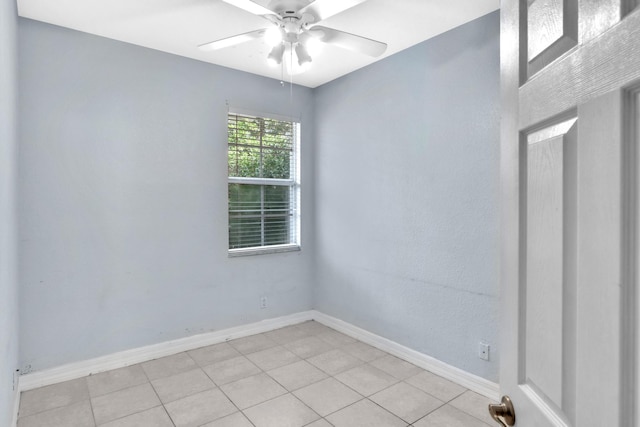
[282,7]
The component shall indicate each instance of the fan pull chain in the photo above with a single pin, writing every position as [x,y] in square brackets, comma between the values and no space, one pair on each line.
[282,73]
[291,80]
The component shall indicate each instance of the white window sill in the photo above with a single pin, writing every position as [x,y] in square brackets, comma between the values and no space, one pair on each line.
[275,249]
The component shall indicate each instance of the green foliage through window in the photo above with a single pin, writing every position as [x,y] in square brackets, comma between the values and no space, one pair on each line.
[260,148]
[262,197]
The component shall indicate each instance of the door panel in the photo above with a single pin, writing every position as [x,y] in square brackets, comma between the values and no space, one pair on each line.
[548,169]
[552,29]
[597,16]
[570,74]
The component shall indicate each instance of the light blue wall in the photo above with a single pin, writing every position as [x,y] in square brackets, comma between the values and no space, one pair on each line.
[8,236]
[407,196]
[123,198]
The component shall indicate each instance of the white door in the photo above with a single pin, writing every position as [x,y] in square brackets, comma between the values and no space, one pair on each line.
[569,168]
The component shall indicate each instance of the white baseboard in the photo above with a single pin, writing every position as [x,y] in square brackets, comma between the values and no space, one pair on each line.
[121,359]
[472,382]
[130,357]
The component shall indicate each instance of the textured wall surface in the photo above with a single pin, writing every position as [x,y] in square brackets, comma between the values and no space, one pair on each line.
[407,196]
[8,236]
[122,183]
[123,198]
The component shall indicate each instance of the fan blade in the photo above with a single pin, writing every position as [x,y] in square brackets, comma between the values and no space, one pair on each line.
[348,41]
[233,40]
[322,9]
[250,7]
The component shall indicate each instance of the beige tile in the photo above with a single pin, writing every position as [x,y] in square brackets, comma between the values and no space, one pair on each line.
[327,396]
[200,408]
[396,367]
[406,402]
[365,414]
[253,343]
[435,385]
[74,415]
[182,385]
[363,351]
[313,328]
[320,423]
[336,338]
[309,347]
[297,375]
[286,335]
[117,379]
[474,404]
[235,420]
[168,366]
[366,379]
[231,370]
[283,411]
[125,402]
[53,396]
[335,361]
[252,390]
[448,416]
[155,417]
[272,358]
[214,353]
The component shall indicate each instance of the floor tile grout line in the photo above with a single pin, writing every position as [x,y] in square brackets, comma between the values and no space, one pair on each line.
[425,415]
[345,407]
[55,407]
[128,415]
[365,398]
[464,411]
[236,406]
[452,407]
[93,414]
[119,389]
[160,400]
[168,415]
[321,418]
[133,413]
[292,395]
[300,388]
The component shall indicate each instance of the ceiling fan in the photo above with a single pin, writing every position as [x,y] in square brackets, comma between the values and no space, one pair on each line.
[294,24]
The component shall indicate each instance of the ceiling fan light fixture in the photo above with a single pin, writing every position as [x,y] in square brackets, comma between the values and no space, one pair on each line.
[302,54]
[273,36]
[314,46]
[275,56]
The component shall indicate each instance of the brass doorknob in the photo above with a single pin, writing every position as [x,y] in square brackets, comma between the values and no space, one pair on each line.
[503,413]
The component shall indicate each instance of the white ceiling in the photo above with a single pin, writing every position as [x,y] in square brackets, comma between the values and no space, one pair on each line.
[179,26]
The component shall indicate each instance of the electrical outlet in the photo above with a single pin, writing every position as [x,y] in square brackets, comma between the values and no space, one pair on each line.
[483,351]
[263,302]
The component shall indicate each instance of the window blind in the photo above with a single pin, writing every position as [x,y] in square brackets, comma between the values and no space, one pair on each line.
[263,199]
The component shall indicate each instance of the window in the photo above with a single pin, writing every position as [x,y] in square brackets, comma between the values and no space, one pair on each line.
[263,184]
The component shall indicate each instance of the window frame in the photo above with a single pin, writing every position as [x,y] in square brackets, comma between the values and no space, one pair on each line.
[293,183]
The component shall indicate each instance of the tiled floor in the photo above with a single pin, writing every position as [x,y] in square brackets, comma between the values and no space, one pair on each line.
[302,375]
